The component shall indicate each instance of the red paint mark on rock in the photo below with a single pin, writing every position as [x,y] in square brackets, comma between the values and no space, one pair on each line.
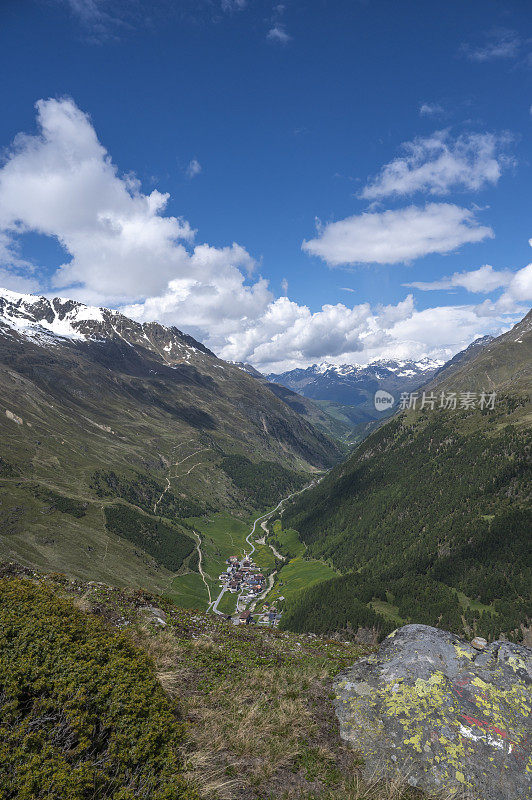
[486,726]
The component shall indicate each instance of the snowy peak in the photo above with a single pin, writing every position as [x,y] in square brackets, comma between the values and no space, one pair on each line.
[378,369]
[34,316]
[59,321]
[355,385]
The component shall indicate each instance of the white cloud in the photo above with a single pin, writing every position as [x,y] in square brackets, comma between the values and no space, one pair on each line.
[278,34]
[124,249]
[62,183]
[497,44]
[346,289]
[284,286]
[398,236]
[436,164]
[430,109]
[18,283]
[193,168]
[517,293]
[289,335]
[485,279]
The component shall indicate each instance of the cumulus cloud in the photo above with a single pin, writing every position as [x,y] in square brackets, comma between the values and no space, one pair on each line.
[517,296]
[62,183]
[398,236]
[193,168]
[437,164]
[515,299]
[126,250]
[485,279]
[289,335]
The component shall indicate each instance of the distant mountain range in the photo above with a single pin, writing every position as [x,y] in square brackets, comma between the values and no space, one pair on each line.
[351,385]
[108,425]
[338,428]
[347,391]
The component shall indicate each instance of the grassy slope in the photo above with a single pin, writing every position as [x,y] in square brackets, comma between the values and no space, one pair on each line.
[82,547]
[258,702]
[299,574]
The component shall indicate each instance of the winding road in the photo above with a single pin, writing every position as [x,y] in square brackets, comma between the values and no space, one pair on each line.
[251,544]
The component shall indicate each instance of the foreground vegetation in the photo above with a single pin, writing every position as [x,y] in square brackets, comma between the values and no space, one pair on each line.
[82,714]
[245,713]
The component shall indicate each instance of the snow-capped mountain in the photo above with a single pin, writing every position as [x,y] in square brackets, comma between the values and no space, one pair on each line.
[405,368]
[106,361]
[58,321]
[353,385]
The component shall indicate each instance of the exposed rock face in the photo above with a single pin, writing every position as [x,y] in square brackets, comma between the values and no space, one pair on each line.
[447,716]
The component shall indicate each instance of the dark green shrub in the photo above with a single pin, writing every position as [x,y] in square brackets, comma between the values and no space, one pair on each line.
[144,492]
[59,502]
[82,715]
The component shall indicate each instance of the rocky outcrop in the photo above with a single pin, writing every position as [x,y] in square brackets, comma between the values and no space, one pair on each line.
[448,716]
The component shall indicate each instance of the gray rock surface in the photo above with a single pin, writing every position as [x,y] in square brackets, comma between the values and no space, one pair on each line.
[444,714]
[154,615]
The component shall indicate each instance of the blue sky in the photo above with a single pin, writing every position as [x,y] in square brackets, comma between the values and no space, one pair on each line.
[377,147]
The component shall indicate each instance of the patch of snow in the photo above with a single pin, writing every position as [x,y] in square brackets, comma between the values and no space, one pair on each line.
[16,297]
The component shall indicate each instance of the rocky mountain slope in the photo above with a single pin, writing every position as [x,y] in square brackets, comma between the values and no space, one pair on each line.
[430,517]
[106,425]
[329,423]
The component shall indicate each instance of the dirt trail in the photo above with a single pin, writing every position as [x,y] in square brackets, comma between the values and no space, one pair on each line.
[200,567]
[176,464]
[162,495]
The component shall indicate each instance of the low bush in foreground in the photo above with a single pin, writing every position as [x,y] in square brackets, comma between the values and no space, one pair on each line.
[82,714]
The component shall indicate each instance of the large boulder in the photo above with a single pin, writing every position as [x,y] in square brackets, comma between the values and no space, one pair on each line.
[449,717]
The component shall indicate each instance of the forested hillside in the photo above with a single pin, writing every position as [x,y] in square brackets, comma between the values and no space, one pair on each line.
[430,518]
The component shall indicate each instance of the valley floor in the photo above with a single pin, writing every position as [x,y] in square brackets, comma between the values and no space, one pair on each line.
[223,536]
